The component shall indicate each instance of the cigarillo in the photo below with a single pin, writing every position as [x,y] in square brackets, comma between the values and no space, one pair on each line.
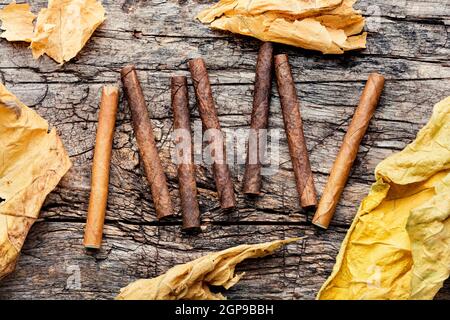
[100,168]
[145,138]
[210,120]
[293,126]
[349,150]
[184,148]
[260,117]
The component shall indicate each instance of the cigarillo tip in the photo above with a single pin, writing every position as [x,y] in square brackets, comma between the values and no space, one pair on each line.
[196,60]
[281,58]
[309,207]
[377,76]
[127,69]
[252,193]
[267,44]
[191,229]
[179,79]
[91,247]
[110,89]
[317,224]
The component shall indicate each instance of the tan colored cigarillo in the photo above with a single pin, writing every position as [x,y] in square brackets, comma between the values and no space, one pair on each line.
[349,150]
[100,168]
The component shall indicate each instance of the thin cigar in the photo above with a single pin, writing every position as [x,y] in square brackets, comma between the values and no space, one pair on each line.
[146,142]
[293,126]
[260,116]
[208,114]
[100,168]
[186,169]
[349,149]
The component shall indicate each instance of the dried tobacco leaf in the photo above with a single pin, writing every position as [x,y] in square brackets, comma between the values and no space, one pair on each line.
[32,162]
[65,26]
[295,8]
[17,21]
[398,246]
[331,27]
[61,31]
[191,281]
[429,232]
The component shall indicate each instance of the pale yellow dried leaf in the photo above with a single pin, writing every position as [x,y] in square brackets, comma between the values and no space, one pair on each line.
[352,24]
[307,33]
[17,21]
[63,28]
[429,231]
[398,246]
[32,162]
[191,281]
[331,27]
[294,8]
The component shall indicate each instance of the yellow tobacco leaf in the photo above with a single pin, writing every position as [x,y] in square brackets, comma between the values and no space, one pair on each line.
[331,27]
[65,26]
[32,162]
[191,281]
[17,21]
[429,231]
[293,8]
[398,246]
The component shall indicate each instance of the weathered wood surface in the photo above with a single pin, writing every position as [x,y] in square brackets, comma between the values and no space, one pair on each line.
[408,42]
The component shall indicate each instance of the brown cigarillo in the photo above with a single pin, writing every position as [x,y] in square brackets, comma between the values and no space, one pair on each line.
[185,159]
[260,117]
[349,150]
[93,232]
[146,143]
[294,130]
[210,120]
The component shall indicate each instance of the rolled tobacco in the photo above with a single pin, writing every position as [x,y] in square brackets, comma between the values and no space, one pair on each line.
[93,232]
[208,114]
[146,142]
[294,130]
[186,169]
[260,115]
[349,149]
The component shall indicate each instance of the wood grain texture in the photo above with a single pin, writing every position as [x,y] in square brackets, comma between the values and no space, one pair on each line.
[409,44]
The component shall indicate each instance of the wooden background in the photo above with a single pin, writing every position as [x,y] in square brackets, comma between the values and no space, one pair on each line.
[408,42]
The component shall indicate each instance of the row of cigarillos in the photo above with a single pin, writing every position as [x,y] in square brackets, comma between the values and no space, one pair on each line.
[210,120]
[153,168]
[186,171]
[295,135]
[102,156]
[292,123]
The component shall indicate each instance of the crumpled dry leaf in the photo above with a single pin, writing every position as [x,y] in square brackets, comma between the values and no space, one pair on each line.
[17,21]
[191,281]
[62,29]
[398,246]
[329,26]
[65,26]
[32,162]
[296,8]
